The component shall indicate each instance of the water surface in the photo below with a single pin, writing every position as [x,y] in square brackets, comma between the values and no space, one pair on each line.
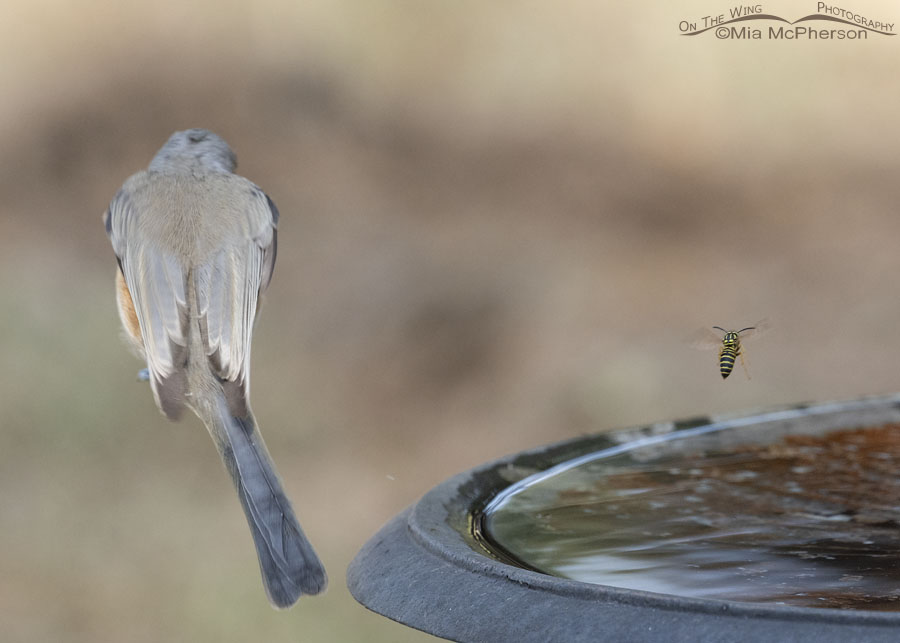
[807,521]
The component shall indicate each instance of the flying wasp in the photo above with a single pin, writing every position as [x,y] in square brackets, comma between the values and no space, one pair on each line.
[730,345]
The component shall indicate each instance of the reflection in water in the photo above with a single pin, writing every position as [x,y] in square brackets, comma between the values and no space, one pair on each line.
[809,521]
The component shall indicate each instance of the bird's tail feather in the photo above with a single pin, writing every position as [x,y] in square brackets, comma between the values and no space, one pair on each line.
[289,565]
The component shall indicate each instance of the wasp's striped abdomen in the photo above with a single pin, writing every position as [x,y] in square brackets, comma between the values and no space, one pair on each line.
[731,348]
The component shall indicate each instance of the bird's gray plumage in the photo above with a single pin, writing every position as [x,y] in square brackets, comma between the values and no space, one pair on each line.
[196,245]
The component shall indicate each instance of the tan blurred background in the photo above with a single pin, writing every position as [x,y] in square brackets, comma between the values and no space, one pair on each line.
[499,223]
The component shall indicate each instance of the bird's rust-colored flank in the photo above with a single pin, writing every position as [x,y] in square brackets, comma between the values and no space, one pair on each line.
[126,309]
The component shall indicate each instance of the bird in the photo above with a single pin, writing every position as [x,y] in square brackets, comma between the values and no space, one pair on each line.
[195,245]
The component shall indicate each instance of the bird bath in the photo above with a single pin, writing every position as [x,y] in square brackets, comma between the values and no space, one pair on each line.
[774,526]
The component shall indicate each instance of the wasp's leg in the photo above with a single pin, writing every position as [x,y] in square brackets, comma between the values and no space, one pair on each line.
[744,365]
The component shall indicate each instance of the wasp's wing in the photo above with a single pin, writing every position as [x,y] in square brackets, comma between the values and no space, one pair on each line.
[759,329]
[705,339]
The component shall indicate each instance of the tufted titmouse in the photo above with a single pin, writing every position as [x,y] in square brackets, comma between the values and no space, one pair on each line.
[196,245]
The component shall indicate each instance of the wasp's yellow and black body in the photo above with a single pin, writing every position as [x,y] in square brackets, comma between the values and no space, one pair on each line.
[730,346]
[731,349]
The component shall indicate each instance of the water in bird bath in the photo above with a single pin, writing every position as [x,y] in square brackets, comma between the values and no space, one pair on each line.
[806,520]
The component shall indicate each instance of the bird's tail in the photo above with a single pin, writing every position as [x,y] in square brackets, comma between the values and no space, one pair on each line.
[289,566]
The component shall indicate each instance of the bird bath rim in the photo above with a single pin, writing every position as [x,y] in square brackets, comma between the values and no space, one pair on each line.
[431,568]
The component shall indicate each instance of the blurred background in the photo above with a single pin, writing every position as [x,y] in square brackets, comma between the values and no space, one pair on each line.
[499,223]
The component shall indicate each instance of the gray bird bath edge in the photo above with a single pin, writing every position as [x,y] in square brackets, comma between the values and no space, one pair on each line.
[431,569]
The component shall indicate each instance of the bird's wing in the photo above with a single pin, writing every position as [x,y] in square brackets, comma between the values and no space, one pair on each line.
[157,285]
[228,287]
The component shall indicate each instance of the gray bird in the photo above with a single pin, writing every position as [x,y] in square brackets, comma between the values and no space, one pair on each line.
[195,244]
